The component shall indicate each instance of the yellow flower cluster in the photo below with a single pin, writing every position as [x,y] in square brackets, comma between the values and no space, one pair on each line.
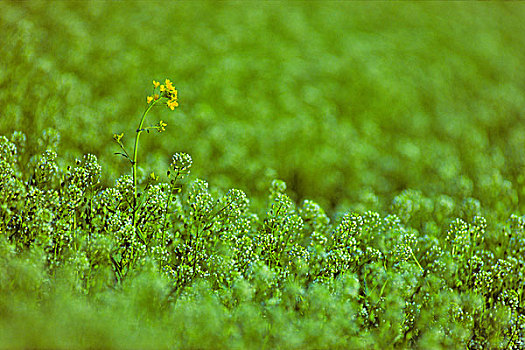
[170,92]
[161,126]
[118,137]
[166,90]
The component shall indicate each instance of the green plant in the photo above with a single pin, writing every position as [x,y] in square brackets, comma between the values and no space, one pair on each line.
[169,94]
[293,277]
[397,222]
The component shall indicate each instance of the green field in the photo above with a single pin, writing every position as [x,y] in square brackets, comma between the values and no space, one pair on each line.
[357,175]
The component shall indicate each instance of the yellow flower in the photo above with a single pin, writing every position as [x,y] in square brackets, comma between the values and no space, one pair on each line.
[156,97]
[169,85]
[156,84]
[162,88]
[162,126]
[118,137]
[149,99]
[172,104]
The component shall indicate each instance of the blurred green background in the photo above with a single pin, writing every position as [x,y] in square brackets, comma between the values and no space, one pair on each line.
[349,102]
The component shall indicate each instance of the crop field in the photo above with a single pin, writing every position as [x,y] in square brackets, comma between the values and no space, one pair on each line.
[262,175]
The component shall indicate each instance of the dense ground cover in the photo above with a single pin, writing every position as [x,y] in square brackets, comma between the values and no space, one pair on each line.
[397,131]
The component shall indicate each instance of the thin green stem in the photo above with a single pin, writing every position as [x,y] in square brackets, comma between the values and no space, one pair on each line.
[415,259]
[122,147]
[170,193]
[134,161]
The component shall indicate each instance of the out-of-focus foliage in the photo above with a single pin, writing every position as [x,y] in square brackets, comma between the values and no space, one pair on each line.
[397,129]
[349,103]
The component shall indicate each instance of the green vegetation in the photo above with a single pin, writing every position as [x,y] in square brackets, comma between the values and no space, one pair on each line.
[358,175]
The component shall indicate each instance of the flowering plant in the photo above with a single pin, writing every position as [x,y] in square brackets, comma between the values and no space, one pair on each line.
[161,92]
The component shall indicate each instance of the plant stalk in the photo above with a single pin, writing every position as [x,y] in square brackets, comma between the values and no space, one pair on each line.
[134,161]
